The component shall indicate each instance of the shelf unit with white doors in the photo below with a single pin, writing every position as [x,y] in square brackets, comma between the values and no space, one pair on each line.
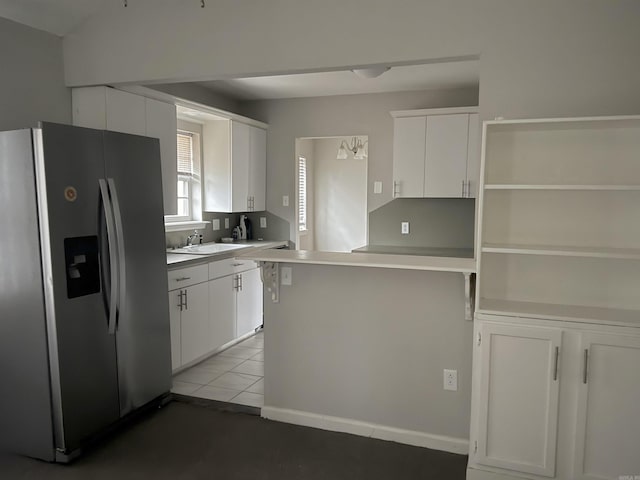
[559,242]
[435,153]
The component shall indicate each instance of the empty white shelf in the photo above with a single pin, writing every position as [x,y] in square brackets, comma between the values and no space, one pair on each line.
[563,251]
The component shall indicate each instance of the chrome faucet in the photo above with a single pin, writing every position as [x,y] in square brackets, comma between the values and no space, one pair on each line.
[192,237]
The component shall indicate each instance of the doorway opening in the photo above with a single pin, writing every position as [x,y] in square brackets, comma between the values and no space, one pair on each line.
[331,193]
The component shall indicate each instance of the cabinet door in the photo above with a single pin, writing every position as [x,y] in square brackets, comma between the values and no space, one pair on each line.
[222,310]
[89,107]
[126,112]
[258,168]
[162,124]
[239,166]
[608,416]
[174,323]
[409,136]
[473,156]
[249,302]
[195,322]
[518,400]
[446,155]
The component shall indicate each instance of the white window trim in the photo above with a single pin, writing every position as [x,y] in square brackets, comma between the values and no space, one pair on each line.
[193,220]
[184,225]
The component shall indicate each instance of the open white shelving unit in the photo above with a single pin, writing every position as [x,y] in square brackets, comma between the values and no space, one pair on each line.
[560,220]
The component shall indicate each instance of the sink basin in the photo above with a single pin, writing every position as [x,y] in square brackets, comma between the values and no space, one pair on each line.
[207,248]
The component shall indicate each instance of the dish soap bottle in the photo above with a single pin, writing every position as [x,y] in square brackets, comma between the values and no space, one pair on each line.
[243,228]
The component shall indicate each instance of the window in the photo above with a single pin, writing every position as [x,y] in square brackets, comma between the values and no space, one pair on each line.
[188,176]
[302,194]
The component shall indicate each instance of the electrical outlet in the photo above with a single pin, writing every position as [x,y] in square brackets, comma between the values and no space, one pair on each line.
[226,223]
[404,228]
[377,187]
[216,223]
[451,380]
[285,200]
[285,276]
[263,222]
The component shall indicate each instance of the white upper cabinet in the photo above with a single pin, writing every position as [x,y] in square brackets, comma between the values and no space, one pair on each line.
[435,153]
[106,108]
[234,167]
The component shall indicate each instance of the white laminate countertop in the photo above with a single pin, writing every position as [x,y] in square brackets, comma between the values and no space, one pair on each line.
[177,260]
[376,260]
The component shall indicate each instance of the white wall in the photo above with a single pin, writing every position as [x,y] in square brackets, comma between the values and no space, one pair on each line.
[370,344]
[340,198]
[537,58]
[332,117]
[32,79]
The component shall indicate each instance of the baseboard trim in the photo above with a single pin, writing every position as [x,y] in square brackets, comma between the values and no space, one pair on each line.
[475,474]
[364,429]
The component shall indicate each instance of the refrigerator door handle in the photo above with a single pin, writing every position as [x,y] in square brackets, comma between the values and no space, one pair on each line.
[122,274]
[113,256]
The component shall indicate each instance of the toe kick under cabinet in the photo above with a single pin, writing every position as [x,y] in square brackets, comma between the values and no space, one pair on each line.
[212,305]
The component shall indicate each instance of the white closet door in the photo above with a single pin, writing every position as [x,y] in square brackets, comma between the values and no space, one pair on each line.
[518,398]
[608,425]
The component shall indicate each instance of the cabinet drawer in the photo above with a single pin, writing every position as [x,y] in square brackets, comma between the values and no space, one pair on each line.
[229,266]
[183,277]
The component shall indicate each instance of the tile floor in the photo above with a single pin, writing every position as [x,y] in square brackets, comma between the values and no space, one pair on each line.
[235,375]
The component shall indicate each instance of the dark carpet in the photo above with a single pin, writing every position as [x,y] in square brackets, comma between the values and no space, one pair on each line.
[190,441]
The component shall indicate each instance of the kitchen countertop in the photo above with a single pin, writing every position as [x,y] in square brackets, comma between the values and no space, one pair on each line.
[422,251]
[377,260]
[176,260]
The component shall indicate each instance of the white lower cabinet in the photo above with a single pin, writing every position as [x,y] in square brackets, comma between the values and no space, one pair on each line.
[211,305]
[249,302]
[607,440]
[194,325]
[222,310]
[554,400]
[518,398]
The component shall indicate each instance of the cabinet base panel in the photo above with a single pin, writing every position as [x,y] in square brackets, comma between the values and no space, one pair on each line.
[475,474]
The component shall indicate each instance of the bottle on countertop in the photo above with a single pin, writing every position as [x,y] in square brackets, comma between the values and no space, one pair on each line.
[243,228]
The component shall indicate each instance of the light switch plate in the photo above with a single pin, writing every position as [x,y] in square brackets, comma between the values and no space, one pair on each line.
[377,187]
[263,222]
[216,223]
[404,228]
[285,200]
[226,223]
[285,276]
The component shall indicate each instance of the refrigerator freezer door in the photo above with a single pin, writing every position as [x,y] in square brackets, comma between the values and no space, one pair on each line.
[25,402]
[83,354]
[133,172]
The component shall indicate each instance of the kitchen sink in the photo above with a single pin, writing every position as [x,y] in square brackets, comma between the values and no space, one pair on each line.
[207,248]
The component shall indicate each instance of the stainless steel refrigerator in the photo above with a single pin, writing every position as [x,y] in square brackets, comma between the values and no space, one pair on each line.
[84,322]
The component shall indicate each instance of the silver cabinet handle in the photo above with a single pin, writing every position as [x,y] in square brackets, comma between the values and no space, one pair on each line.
[237,264]
[463,188]
[235,283]
[240,282]
[186,300]
[468,188]
[555,364]
[182,279]
[396,189]
[585,366]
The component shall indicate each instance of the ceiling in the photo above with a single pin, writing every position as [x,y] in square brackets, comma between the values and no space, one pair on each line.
[54,16]
[62,16]
[318,84]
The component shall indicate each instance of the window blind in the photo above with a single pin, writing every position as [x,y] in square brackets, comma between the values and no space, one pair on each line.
[302,193]
[186,163]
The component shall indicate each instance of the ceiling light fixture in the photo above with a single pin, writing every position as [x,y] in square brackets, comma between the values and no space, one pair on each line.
[370,72]
[357,147]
